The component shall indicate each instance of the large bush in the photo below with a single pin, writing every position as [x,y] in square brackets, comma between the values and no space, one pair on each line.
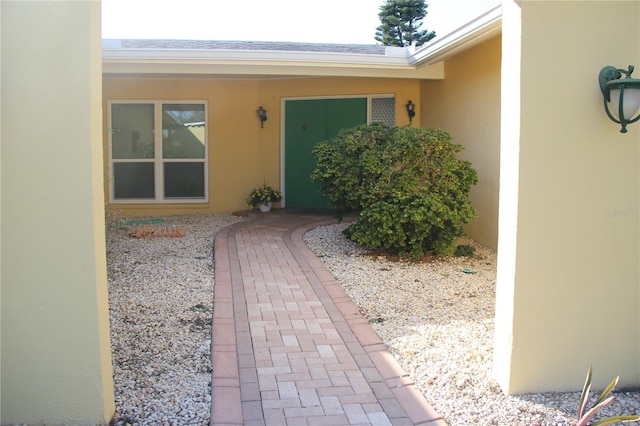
[410,189]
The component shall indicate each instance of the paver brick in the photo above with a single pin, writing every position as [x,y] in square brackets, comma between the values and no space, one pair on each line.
[296,421]
[318,373]
[267,382]
[290,340]
[272,394]
[360,398]
[289,347]
[331,405]
[280,359]
[252,410]
[248,375]
[313,384]
[225,364]
[224,409]
[250,392]
[270,371]
[223,334]
[379,418]
[303,411]
[285,403]
[355,413]
[332,390]
[309,397]
[246,360]
[293,377]
[287,390]
[327,420]
[275,416]
[381,391]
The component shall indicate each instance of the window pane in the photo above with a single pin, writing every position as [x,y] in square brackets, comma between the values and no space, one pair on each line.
[133,180]
[184,180]
[132,131]
[183,131]
[383,110]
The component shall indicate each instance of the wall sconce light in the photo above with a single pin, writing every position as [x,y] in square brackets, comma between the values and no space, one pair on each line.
[262,115]
[411,110]
[622,93]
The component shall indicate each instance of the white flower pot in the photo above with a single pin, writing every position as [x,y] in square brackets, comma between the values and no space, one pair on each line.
[265,207]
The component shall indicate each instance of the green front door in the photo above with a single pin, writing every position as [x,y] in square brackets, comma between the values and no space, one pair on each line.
[308,122]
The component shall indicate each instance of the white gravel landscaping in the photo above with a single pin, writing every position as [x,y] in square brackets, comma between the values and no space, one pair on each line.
[161,300]
[436,320]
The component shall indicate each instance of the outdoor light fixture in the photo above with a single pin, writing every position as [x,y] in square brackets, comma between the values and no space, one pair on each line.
[622,93]
[411,110]
[262,115]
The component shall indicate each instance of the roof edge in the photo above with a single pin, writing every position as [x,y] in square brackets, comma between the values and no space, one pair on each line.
[481,28]
[249,56]
[404,60]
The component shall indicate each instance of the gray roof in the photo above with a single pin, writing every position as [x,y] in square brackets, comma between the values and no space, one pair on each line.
[365,49]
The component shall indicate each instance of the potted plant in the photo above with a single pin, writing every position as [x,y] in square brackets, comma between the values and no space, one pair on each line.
[263,197]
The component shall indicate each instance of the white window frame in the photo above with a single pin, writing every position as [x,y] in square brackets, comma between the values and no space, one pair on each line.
[158,160]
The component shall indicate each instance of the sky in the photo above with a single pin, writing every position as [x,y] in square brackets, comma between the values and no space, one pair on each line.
[326,21]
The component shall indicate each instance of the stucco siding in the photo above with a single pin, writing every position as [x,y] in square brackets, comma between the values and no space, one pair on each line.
[56,355]
[568,279]
[467,105]
[241,153]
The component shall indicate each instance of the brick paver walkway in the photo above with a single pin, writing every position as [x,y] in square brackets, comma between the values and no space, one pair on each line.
[289,347]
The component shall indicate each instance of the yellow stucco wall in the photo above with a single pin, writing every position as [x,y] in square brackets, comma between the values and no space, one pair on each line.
[241,154]
[467,105]
[569,240]
[569,246]
[56,357]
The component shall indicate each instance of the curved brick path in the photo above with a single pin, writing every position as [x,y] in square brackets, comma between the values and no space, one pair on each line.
[289,347]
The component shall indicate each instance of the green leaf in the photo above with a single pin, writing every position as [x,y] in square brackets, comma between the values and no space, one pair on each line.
[601,402]
[607,390]
[593,411]
[616,419]
[411,189]
[584,395]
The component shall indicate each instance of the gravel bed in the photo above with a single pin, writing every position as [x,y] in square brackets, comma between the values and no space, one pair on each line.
[437,321]
[161,301]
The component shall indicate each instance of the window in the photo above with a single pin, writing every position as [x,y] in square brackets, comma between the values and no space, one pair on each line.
[158,152]
[383,110]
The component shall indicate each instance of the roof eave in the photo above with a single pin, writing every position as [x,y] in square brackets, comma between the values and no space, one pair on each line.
[484,27]
[248,62]
[212,68]
[425,63]
[249,56]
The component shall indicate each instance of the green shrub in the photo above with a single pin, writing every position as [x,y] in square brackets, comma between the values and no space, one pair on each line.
[464,250]
[347,164]
[410,189]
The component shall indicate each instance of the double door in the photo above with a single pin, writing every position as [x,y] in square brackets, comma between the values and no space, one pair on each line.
[308,122]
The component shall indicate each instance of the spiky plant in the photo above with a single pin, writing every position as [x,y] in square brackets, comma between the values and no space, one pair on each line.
[603,400]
